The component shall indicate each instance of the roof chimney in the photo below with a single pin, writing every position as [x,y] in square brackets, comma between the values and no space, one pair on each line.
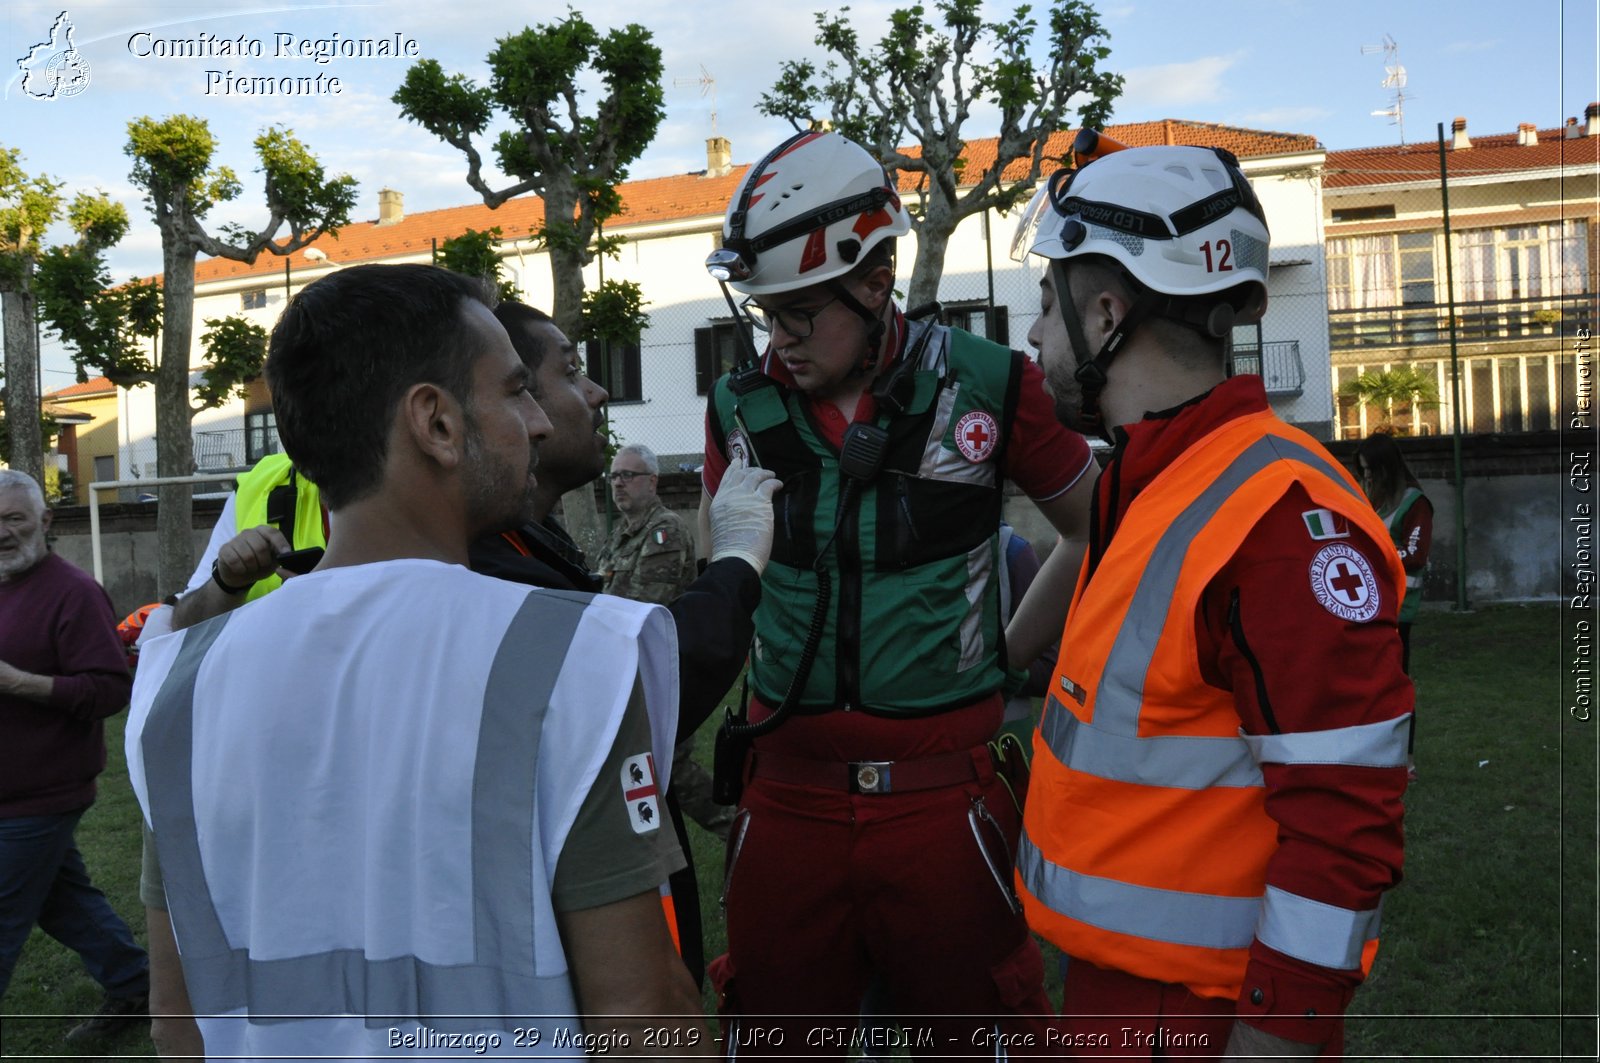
[391,207]
[719,156]
[1591,119]
[1527,135]
[1459,129]
[1572,131]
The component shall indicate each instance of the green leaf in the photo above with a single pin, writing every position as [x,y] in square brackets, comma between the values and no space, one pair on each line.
[235,350]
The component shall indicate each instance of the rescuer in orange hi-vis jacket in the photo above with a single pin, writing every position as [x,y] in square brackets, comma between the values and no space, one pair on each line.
[1215,809]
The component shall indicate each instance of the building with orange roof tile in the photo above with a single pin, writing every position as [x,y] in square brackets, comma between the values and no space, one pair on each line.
[86,446]
[1519,283]
[672,223]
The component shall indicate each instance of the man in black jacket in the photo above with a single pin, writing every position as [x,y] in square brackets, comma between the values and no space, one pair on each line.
[713,616]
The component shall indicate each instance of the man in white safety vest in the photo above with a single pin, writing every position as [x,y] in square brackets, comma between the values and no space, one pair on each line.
[401,807]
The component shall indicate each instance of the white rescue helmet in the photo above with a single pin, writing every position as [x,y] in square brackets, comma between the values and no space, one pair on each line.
[806,214]
[1182,221]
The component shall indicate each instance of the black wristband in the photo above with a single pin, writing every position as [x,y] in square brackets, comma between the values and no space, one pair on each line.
[216,577]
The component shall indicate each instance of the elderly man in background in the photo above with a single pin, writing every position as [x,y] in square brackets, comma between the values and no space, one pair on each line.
[62,672]
[651,559]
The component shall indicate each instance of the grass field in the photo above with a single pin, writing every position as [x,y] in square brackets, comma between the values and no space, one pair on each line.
[1490,940]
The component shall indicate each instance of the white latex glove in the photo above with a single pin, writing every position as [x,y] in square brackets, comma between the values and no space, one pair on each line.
[741,514]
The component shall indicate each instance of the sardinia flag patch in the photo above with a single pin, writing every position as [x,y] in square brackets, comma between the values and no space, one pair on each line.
[1325,524]
[639,792]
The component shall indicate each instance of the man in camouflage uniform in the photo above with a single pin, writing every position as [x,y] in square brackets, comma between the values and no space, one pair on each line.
[651,559]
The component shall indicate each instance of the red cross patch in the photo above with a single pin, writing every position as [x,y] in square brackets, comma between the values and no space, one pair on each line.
[1344,583]
[977,434]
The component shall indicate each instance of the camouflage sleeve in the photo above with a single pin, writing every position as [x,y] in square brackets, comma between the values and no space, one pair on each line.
[666,562]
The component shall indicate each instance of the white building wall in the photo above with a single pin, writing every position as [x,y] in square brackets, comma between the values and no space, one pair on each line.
[666,261]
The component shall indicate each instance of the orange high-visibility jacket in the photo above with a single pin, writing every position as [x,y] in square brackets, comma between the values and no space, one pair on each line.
[1146,840]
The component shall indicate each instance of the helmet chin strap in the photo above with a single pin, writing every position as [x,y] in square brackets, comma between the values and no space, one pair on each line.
[1091,375]
[1214,321]
[875,328]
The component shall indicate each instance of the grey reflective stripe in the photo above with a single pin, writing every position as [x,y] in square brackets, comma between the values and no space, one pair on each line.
[1121,692]
[1202,920]
[1183,762]
[167,743]
[1318,933]
[1413,580]
[501,983]
[980,571]
[1367,745]
[940,462]
[1110,746]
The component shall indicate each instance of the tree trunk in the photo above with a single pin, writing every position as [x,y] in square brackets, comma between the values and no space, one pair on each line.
[22,378]
[566,275]
[932,239]
[174,442]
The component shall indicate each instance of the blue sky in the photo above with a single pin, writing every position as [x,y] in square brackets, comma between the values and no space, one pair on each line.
[1289,65]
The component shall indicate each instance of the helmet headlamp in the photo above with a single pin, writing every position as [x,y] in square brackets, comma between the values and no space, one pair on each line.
[726,264]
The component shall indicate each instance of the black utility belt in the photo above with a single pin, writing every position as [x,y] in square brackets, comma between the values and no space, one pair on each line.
[881,712]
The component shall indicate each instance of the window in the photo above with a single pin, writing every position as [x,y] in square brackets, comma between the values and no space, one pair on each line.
[716,351]
[1540,412]
[260,435]
[975,317]
[1380,213]
[616,367]
[1416,267]
[1387,269]
[1418,416]
[1523,261]
[105,467]
[253,299]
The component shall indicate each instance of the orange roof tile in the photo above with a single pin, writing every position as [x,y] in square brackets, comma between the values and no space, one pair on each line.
[1495,154]
[96,386]
[694,195]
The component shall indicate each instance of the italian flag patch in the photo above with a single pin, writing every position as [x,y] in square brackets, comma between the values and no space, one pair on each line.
[1325,524]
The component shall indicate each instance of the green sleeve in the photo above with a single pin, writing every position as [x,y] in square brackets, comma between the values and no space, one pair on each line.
[604,859]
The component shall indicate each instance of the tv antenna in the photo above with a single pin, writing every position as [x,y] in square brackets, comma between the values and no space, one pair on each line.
[708,87]
[1394,78]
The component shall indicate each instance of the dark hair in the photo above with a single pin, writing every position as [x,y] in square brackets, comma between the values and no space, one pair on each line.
[520,321]
[1389,474]
[879,254]
[1187,346]
[344,352]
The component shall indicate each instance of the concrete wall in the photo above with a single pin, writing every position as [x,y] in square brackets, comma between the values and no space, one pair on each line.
[127,546]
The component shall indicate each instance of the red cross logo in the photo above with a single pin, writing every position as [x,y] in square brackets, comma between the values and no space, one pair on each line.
[1346,582]
[976,435]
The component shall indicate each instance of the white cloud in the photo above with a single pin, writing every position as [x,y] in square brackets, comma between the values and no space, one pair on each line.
[1285,119]
[1176,87]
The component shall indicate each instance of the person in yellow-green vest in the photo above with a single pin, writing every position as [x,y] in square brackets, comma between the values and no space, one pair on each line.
[273,511]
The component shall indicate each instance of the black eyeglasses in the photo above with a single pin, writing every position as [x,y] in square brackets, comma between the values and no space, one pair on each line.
[796,321]
[622,476]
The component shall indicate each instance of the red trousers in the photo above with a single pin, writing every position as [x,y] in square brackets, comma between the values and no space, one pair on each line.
[1108,1014]
[827,890]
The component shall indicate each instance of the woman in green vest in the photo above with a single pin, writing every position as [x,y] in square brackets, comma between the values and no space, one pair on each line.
[1399,500]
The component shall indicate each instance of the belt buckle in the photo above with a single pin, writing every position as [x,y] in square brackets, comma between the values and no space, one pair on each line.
[870,776]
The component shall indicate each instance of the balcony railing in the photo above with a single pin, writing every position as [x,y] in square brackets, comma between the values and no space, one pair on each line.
[1486,321]
[233,448]
[1277,362]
